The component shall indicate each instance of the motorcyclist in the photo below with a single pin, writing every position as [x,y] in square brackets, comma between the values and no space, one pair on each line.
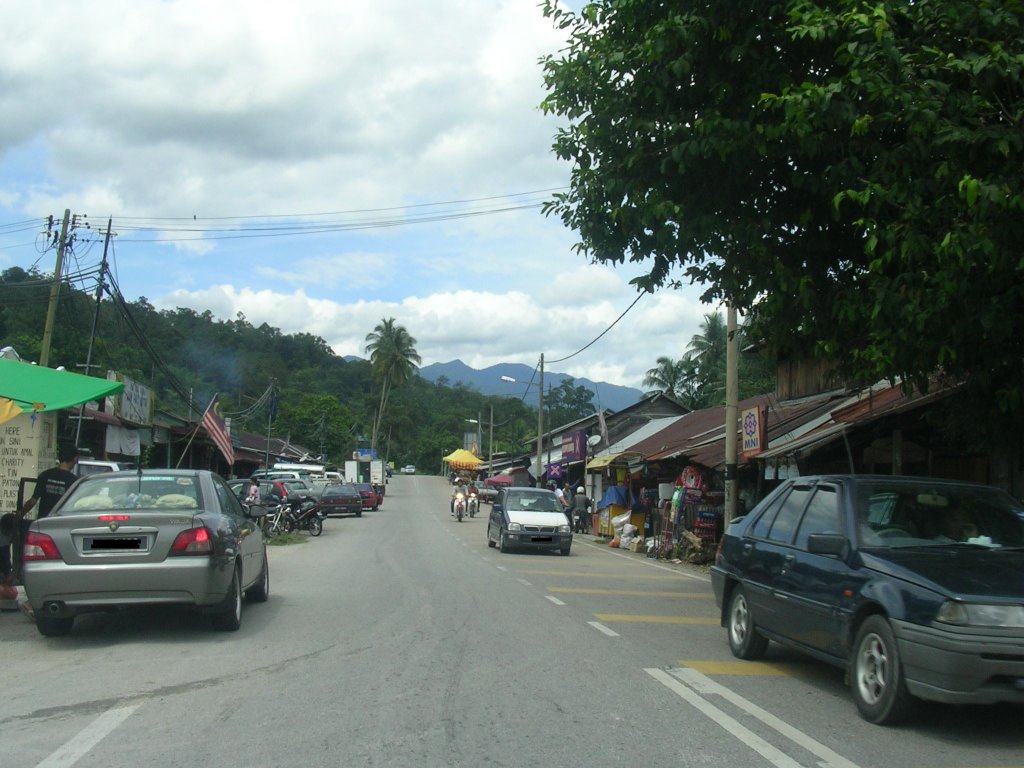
[471,491]
[459,488]
[581,506]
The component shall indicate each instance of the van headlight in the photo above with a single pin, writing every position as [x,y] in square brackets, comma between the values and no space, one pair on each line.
[515,526]
[564,529]
[981,615]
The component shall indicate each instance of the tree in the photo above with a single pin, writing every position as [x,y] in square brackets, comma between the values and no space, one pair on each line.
[707,349]
[393,358]
[567,402]
[847,174]
[668,376]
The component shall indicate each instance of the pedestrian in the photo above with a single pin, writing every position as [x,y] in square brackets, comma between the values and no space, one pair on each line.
[253,496]
[581,510]
[51,485]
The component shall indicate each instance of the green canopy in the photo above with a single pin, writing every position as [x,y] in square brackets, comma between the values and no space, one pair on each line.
[34,388]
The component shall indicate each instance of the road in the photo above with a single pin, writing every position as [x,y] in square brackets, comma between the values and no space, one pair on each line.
[401,639]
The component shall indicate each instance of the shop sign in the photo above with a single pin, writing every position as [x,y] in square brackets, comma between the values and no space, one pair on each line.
[754,429]
[134,404]
[574,446]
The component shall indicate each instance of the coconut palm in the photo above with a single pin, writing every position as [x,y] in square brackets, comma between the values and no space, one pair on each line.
[666,376]
[393,359]
[707,349]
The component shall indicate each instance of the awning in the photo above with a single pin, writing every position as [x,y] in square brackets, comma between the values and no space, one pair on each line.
[600,462]
[33,388]
[463,459]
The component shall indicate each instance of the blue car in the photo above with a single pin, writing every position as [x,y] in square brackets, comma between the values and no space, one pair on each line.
[915,586]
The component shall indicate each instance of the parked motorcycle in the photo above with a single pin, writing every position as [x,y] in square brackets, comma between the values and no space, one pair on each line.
[278,520]
[460,506]
[305,514]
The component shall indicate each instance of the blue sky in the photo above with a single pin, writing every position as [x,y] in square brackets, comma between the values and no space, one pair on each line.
[403,138]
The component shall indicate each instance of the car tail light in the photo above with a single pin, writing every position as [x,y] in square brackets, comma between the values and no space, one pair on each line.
[194,541]
[39,546]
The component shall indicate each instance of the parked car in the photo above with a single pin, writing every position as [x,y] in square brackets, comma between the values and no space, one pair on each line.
[528,518]
[341,499]
[911,584]
[302,489]
[369,496]
[271,491]
[162,536]
[409,469]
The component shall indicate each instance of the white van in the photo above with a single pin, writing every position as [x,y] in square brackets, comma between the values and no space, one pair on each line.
[94,466]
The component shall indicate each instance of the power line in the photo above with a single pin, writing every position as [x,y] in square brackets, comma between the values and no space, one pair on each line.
[595,339]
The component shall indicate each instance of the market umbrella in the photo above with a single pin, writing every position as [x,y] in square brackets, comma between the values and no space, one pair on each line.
[27,388]
[462,459]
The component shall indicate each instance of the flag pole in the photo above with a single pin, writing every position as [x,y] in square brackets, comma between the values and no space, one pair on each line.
[195,432]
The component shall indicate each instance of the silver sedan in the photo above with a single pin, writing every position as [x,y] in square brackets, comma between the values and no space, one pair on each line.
[159,536]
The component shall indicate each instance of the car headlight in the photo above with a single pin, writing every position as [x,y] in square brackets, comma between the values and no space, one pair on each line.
[564,529]
[980,615]
[515,526]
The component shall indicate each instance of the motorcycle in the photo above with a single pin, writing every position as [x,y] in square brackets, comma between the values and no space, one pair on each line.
[460,506]
[278,520]
[306,516]
[472,504]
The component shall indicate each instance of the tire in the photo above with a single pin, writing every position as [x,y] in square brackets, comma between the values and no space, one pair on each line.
[876,674]
[490,543]
[50,626]
[316,526]
[503,544]
[359,513]
[229,618]
[745,641]
[565,551]
[260,591]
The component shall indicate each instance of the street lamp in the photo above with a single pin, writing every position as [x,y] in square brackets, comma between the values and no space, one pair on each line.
[479,433]
[540,416]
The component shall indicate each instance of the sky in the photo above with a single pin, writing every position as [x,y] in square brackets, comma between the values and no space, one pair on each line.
[318,166]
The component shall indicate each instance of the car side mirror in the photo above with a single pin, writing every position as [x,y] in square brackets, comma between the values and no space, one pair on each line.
[827,544]
[496,507]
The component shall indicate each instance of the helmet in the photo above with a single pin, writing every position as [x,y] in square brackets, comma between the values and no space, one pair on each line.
[580,490]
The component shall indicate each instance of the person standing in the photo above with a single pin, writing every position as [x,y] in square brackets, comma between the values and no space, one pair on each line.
[253,497]
[51,485]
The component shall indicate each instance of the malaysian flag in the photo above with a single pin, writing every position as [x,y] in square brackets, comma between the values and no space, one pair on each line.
[218,430]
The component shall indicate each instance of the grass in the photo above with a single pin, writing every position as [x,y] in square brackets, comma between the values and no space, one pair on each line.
[284,539]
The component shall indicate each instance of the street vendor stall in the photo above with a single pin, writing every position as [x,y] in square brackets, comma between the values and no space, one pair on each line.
[461,459]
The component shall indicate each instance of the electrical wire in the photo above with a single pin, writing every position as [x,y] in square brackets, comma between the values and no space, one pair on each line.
[595,339]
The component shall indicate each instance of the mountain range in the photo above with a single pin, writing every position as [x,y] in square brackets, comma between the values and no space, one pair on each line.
[489,382]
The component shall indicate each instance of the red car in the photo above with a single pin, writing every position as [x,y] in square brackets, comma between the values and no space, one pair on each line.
[369,495]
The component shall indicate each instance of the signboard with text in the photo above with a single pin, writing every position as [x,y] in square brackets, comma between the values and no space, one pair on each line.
[754,431]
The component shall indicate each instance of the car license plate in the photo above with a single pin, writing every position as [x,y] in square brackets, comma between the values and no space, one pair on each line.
[115,543]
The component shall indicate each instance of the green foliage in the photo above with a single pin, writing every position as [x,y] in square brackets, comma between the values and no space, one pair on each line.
[847,174]
[323,402]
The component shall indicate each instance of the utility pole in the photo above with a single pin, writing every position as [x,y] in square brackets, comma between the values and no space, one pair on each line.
[95,323]
[51,310]
[490,445]
[731,398]
[540,421]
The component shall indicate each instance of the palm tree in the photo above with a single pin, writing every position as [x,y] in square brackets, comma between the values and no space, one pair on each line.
[393,359]
[707,349]
[666,376]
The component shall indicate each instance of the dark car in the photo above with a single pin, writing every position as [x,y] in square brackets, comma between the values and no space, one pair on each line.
[528,518]
[914,585]
[155,536]
[341,499]
[369,494]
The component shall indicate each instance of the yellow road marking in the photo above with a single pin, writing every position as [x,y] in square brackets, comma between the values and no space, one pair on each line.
[747,668]
[627,592]
[592,575]
[648,619]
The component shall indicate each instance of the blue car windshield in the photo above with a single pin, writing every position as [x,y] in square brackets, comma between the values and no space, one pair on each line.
[903,513]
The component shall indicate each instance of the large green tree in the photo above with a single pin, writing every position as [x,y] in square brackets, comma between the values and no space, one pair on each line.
[848,173]
[393,358]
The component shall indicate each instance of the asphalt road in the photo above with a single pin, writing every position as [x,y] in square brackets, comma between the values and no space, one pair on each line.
[401,639]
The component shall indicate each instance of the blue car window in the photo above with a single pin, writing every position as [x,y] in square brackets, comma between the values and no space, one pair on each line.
[767,517]
[822,516]
[789,515]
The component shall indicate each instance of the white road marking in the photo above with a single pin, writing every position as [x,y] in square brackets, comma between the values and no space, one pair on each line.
[633,558]
[554,599]
[524,582]
[78,746]
[603,629]
[692,686]
[501,567]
